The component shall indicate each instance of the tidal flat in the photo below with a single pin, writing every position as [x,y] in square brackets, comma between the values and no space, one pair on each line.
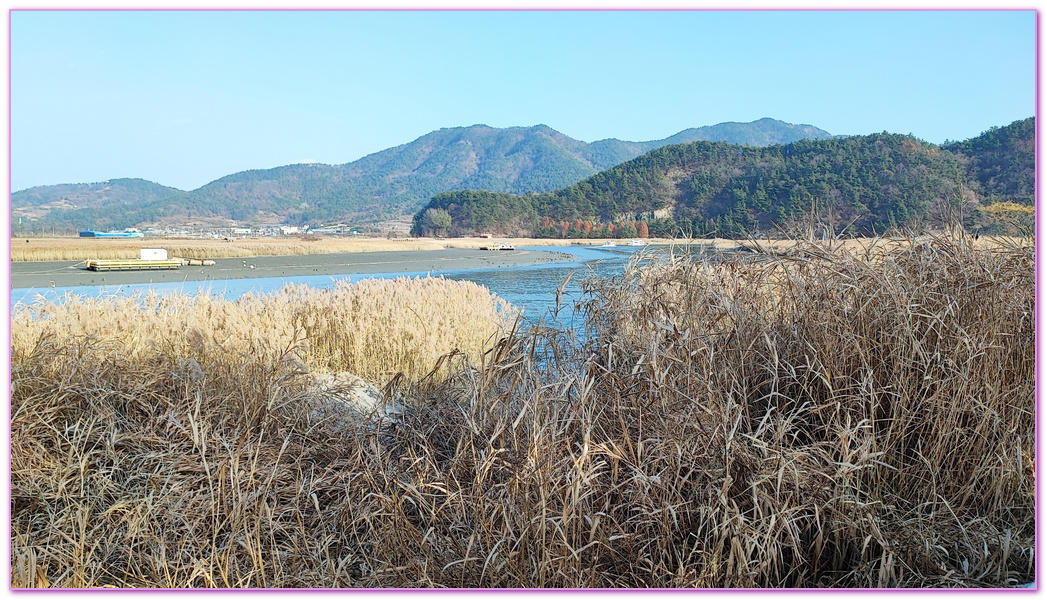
[72,273]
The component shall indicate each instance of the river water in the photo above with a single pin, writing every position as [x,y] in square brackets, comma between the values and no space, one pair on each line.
[530,287]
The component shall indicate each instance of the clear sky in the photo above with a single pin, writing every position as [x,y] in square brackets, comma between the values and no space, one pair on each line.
[183,98]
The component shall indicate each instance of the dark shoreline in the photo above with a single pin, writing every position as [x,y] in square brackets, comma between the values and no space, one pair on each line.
[30,275]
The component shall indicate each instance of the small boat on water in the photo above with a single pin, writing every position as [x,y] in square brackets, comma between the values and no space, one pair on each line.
[637,243]
[609,245]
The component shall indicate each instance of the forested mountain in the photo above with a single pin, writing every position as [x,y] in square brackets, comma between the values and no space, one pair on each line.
[764,132]
[398,181]
[605,154]
[859,185]
[1001,163]
[84,205]
[113,191]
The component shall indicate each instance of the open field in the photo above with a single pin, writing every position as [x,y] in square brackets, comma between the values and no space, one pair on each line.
[818,418]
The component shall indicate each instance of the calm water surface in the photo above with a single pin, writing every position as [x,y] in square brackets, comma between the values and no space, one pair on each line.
[529,287]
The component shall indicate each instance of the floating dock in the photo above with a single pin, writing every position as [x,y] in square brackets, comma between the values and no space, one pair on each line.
[149,259]
[132,265]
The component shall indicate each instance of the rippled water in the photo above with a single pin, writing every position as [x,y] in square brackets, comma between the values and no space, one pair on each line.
[533,287]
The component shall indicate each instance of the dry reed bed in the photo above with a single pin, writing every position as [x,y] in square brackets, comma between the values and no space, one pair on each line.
[856,418]
[822,419]
[864,246]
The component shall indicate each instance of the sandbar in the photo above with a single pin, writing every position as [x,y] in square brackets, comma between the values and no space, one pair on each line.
[26,275]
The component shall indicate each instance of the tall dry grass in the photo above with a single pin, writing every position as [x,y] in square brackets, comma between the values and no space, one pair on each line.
[375,328]
[856,418]
[825,418]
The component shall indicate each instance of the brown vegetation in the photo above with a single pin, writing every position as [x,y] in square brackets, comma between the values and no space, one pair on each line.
[825,418]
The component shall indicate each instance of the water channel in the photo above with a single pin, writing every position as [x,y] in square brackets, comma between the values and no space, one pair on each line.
[530,287]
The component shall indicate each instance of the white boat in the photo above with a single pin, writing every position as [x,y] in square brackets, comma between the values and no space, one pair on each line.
[609,245]
[637,243]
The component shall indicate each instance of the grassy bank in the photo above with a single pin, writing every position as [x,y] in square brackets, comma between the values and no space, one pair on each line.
[824,417]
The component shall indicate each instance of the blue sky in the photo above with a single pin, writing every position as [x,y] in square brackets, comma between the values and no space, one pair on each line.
[183,98]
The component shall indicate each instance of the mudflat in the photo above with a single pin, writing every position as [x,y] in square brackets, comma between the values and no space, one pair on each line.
[72,273]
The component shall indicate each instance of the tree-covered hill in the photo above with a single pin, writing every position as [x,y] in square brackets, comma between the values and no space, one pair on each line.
[859,184]
[400,180]
[605,154]
[1001,163]
[764,132]
[91,195]
[85,205]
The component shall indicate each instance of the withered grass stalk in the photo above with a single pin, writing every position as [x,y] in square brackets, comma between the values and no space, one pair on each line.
[819,417]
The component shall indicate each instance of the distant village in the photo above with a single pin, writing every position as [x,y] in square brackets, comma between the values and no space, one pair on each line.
[263,231]
[395,228]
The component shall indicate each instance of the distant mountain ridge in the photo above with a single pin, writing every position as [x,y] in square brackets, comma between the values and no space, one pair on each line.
[763,132]
[387,184]
[97,194]
[87,197]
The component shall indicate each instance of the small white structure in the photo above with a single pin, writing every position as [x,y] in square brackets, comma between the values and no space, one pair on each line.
[153,254]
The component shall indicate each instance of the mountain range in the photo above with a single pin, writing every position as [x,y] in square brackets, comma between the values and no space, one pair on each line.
[853,185]
[388,184]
